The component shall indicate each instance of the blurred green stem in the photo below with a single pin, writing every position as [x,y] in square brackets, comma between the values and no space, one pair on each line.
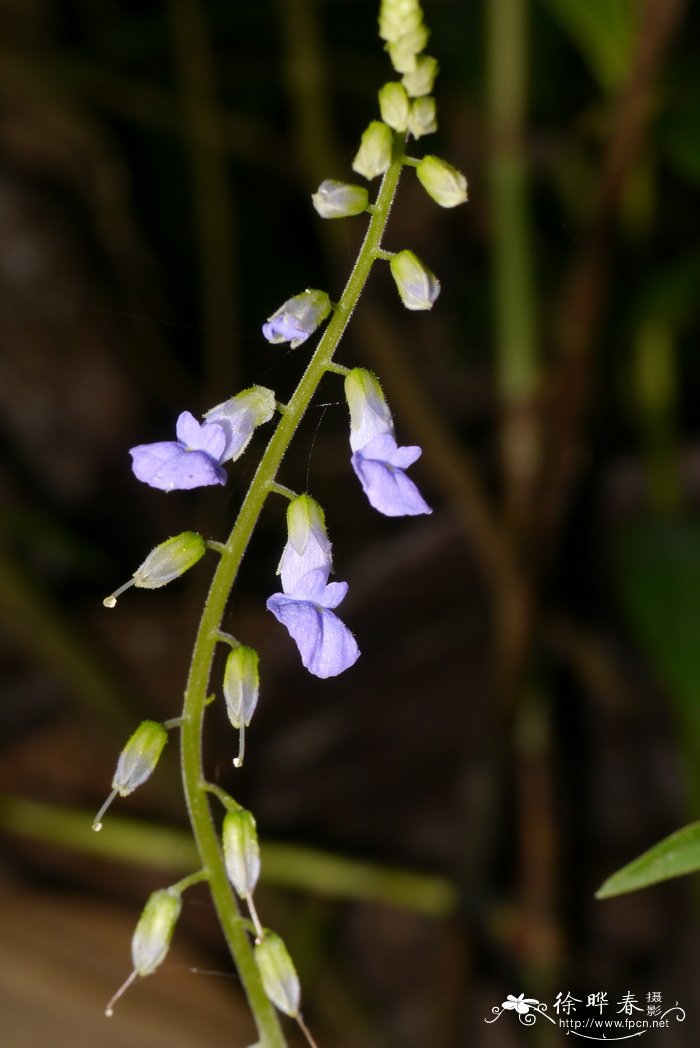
[514,311]
[656,395]
[213,202]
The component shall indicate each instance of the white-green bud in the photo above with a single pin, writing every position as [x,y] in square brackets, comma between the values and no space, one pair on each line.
[397,17]
[374,155]
[151,939]
[339,199]
[394,105]
[239,416]
[444,183]
[404,51]
[422,120]
[241,851]
[241,685]
[297,318]
[417,286]
[421,79]
[136,763]
[279,977]
[166,562]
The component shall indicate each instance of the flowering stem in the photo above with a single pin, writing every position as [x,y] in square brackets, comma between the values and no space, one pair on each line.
[263,483]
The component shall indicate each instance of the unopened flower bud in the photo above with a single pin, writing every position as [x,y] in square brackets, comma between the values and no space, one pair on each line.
[297,318]
[394,105]
[397,17]
[136,763]
[339,199]
[308,547]
[417,286]
[241,851]
[279,977]
[241,687]
[444,183]
[421,79]
[166,562]
[422,120]
[404,51]
[151,939]
[374,155]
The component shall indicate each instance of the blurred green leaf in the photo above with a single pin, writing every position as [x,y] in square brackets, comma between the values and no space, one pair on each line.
[603,31]
[674,856]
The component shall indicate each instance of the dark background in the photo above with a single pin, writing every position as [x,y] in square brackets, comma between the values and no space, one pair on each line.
[524,718]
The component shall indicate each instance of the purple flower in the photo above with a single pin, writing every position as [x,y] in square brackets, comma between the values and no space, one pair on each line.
[326,645]
[194,460]
[377,460]
[380,468]
[297,318]
[191,461]
[308,546]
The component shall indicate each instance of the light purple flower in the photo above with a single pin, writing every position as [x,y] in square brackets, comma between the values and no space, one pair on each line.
[326,645]
[297,318]
[191,461]
[308,546]
[377,460]
[238,417]
[380,468]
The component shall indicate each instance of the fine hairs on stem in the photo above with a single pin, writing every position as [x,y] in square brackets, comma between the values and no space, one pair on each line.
[306,602]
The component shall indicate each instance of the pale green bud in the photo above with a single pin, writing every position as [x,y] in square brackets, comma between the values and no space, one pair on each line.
[422,120]
[420,81]
[279,977]
[241,685]
[417,286]
[404,51]
[136,763]
[444,183]
[394,106]
[397,17]
[151,939]
[339,199]
[241,851]
[374,155]
[166,562]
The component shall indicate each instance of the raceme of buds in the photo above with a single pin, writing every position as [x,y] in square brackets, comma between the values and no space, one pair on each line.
[166,562]
[279,978]
[444,183]
[421,79]
[297,318]
[417,286]
[339,199]
[394,106]
[136,763]
[241,851]
[374,155]
[422,120]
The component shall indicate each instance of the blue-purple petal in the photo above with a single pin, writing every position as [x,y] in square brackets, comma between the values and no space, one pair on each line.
[169,466]
[326,645]
[195,436]
[387,487]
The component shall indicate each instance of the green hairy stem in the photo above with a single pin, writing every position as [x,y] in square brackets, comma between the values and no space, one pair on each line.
[208,635]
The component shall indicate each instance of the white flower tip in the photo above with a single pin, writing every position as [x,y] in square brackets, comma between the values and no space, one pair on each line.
[110,602]
[109,1010]
[97,821]
[96,826]
[238,762]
